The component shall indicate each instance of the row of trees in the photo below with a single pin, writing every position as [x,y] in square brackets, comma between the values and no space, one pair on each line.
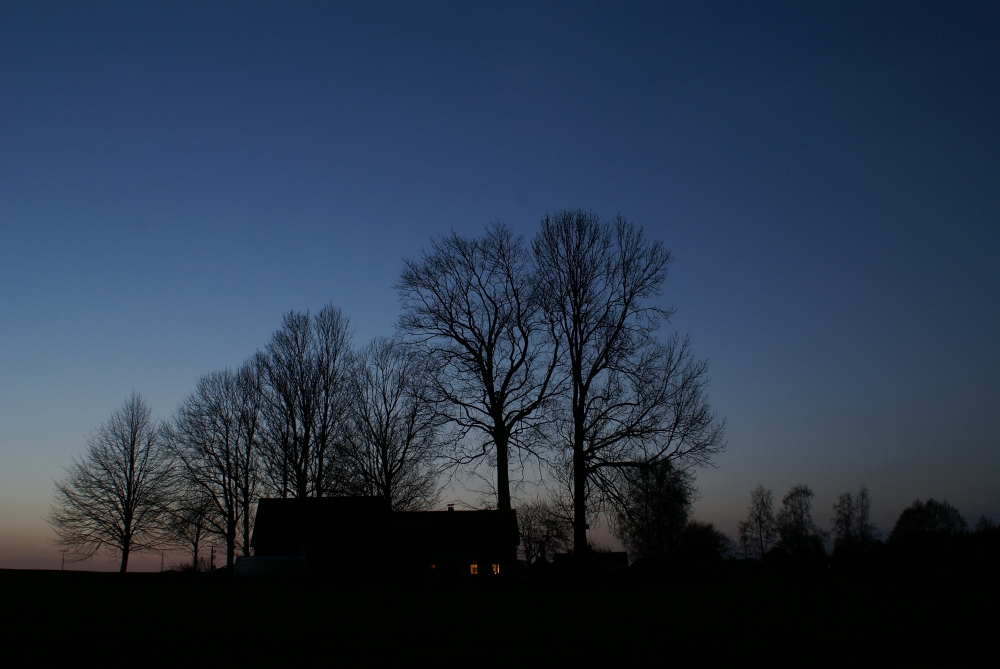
[507,355]
[548,353]
[654,522]
[791,531]
[792,528]
[305,417]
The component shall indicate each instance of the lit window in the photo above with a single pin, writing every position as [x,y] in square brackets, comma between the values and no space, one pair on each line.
[473,569]
[496,568]
[434,566]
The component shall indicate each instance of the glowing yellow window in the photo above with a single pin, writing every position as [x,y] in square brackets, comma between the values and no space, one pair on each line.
[496,568]
[473,569]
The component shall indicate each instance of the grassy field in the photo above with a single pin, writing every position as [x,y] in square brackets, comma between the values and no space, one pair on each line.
[175,618]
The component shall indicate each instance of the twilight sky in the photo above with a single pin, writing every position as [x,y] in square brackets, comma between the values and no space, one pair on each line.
[176,176]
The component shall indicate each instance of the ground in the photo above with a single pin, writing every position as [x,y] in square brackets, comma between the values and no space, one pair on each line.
[175,618]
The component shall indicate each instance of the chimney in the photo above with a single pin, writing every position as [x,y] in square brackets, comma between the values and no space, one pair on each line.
[451,507]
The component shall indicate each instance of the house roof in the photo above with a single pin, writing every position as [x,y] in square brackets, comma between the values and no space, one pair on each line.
[453,534]
[298,526]
[361,525]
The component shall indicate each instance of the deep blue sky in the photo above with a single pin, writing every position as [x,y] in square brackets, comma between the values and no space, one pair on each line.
[174,177]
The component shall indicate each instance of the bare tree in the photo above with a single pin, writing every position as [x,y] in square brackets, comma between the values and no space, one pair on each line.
[652,509]
[392,442]
[249,411]
[470,306]
[189,521]
[759,532]
[632,401]
[844,521]
[305,377]
[114,498]
[797,532]
[216,437]
[852,526]
[206,439]
[544,530]
[984,525]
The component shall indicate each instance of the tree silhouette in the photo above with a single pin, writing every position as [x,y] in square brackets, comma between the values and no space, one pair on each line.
[392,442]
[931,535]
[798,534]
[930,518]
[852,526]
[306,372]
[188,526]
[115,496]
[632,401]
[702,544]
[215,437]
[652,508]
[759,532]
[544,530]
[470,307]
[250,424]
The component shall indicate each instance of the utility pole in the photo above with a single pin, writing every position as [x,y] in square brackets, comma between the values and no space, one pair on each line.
[212,567]
[62,567]
[161,560]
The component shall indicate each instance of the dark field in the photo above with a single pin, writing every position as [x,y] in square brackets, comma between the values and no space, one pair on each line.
[182,618]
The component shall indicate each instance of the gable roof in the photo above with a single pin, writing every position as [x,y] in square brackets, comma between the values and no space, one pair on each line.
[353,529]
[454,535]
[300,526]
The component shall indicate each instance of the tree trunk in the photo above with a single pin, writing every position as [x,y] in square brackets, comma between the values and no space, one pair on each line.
[231,543]
[124,565]
[386,476]
[302,489]
[246,529]
[501,440]
[579,498]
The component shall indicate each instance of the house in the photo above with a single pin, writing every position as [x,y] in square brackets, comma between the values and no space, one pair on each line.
[357,536]
[452,543]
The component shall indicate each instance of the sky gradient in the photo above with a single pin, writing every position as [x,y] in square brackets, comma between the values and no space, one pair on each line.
[174,177]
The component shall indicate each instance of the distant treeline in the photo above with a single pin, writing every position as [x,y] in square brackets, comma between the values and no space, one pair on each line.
[653,521]
[926,534]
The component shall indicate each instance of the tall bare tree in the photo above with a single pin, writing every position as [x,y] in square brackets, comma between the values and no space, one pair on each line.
[115,496]
[632,401]
[392,442]
[852,526]
[797,533]
[843,521]
[306,370]
[216,436]
[249,410]
[206,439]
[190,511]
[759,532]
[471,307]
